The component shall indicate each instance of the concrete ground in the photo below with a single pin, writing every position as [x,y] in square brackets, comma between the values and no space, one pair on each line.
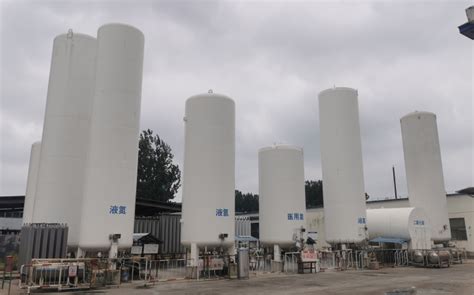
[458,279]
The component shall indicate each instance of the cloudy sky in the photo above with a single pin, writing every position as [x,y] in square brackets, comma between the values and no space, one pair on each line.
[272,58]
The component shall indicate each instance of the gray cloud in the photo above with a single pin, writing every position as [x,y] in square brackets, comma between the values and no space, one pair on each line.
[273,58]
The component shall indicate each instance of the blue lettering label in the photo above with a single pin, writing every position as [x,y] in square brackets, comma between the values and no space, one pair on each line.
[115,210]
[295,216]
[222,212]
[419,222]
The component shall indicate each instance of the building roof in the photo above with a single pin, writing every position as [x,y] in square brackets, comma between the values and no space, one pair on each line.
[12,203]
[143,207]
[467,29]
[146,238]
[388,240]
[467,191]
[246,239]
[387,200]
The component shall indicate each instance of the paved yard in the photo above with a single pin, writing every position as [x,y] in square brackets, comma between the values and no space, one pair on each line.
[458,279]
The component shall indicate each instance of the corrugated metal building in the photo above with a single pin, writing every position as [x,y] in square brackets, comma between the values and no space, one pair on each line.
[165,227]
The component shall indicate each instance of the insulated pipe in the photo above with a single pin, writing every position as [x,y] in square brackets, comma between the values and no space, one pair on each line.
[194,254]
[276,253]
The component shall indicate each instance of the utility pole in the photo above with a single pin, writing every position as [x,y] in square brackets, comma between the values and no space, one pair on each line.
[394,182]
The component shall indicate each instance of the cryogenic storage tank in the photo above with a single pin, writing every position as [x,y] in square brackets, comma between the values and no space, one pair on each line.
[111,169]
[31,182]
[424,171]
[410,224]
[341,161]
[209,171]
[281,194]
[66,132]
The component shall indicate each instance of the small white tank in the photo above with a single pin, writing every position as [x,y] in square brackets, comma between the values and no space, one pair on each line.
[341,161]
[111,169]
[59,188]
[282,205]
[410,224]
[424,171]
[31,182]
[208,197]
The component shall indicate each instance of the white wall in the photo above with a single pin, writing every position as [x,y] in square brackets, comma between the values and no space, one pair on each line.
[463,206]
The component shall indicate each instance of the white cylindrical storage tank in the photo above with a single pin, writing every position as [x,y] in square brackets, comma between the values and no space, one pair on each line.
[410,224]
[111,170]
[31,182]
[59,188]
[282,204]
[341,161]
[424,171]
[208,216]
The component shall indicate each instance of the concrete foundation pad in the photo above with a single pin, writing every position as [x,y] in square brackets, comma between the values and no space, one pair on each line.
[277,266]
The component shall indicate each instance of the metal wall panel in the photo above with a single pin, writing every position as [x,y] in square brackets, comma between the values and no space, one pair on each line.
[242,226]
[42,240]
[165,227]
[51,243]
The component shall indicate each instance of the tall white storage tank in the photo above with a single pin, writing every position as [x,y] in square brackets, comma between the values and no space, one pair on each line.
[209,171]
[410,224]
[341,161]
[66,132]
[282,205]
[111,170]
[424,171]
[31,182]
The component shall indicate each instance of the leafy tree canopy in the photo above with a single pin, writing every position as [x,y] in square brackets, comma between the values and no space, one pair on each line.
[247,202]
[157,178]
[314,193]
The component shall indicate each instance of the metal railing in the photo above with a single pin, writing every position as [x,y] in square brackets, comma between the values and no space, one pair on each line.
[401,258]
[290,262]
[58,274]
[390,257]
[361,259]
[260,263]
[344,259]
[164,270]
[458,255]
[212,266]
[64,274]
[327,260]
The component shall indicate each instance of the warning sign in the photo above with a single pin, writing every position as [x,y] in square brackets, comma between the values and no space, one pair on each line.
[309,255]
[72,271]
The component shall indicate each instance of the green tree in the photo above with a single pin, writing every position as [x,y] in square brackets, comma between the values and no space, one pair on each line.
[157,178]
[314,193]
[247,202]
